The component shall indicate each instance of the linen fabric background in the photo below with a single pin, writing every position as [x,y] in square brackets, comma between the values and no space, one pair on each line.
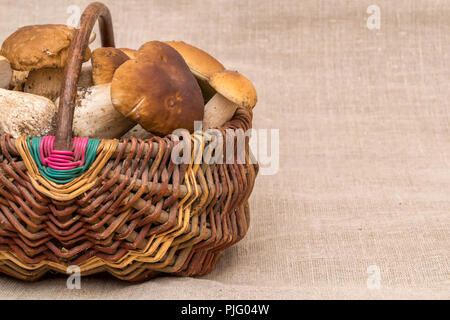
[364,119]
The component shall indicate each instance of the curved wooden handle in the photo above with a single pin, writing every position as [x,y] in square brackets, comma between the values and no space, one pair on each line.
[80,42]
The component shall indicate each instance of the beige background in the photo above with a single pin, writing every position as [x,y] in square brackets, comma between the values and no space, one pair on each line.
[364,119]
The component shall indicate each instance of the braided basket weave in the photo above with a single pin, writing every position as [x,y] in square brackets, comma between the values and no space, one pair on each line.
[134,213]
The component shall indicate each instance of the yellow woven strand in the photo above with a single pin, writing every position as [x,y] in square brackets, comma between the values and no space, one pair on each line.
[70,190]
[157,246]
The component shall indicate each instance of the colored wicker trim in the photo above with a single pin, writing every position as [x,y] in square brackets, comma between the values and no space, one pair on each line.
[51,166]
[69,190]
[140,214]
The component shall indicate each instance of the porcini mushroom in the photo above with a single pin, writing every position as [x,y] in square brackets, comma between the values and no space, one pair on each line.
[9,78]
[18,80]
[138,132]
[45,82]
[157,90]
[104,62]
[85,78]
[131,53]
[42,50]
[95,116]
[26,114]
[5,73]
[201,64]
[233,90]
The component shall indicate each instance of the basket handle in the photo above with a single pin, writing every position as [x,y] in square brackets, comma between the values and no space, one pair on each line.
[80,42]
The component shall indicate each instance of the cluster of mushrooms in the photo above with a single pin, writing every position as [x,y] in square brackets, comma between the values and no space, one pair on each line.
[154,90]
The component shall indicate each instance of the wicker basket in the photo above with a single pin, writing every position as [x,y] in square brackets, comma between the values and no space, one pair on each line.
[134,213]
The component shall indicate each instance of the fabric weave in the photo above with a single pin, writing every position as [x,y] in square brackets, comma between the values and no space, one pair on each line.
[364,149]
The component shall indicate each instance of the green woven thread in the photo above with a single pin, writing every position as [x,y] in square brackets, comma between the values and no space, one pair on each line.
[62,176]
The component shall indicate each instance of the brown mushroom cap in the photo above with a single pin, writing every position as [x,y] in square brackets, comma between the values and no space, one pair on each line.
[39,46]
[157,90]
[131,53]
[201,63]
[158,52]
[104,62]
[235,87]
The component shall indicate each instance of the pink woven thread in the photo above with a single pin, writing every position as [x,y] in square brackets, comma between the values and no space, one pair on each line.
[60,159]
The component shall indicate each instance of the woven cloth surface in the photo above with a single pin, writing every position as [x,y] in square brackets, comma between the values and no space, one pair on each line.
[364,176]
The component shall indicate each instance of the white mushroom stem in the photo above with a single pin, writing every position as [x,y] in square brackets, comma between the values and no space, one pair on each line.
[5,73]
[85,79]
[45,82]
[96,117]
[138,132]
[218,110]
[207,91]
[25,114]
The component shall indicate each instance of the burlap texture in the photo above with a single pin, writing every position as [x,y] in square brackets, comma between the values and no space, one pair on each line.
[364,120]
